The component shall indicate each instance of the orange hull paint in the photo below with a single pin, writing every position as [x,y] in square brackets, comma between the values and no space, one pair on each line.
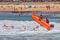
[41,22]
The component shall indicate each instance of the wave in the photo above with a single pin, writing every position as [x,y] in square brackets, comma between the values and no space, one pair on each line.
[25,28]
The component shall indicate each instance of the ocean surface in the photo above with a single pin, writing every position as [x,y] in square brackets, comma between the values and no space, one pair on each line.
[20,27]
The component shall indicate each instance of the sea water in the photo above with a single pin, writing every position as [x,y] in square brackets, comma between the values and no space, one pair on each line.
[20,22]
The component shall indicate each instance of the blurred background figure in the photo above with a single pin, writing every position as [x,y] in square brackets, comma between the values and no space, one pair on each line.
[29,0]
[48,7]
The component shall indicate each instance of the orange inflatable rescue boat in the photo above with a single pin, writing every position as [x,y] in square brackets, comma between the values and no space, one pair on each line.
[41,22]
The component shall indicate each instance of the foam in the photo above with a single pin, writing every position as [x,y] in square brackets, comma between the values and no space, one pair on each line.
[19,27]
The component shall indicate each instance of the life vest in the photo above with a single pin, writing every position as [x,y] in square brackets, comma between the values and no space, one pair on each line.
[47,20]
[41,17]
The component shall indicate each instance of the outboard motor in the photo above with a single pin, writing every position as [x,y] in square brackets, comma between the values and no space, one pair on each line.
[51,25]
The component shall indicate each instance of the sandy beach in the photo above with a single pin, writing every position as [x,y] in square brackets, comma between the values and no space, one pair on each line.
[54,7]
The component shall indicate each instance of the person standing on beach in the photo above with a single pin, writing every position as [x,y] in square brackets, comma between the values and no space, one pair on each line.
[48,7]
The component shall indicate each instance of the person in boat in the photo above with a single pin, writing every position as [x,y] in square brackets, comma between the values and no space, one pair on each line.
[47,20]
[41,17]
